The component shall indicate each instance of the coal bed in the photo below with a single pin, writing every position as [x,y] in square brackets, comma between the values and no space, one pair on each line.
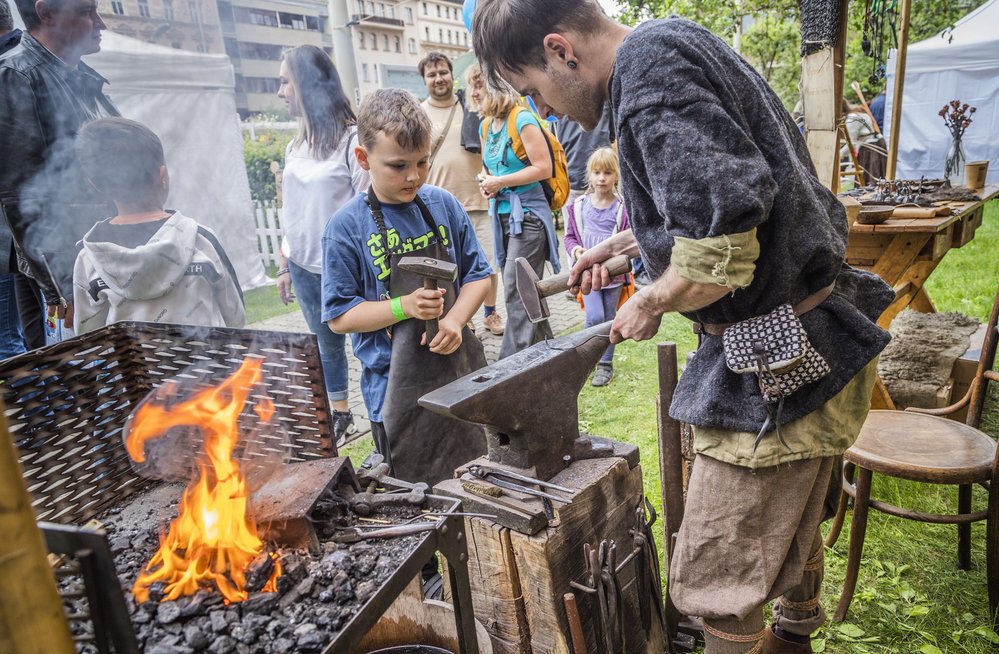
[317,593]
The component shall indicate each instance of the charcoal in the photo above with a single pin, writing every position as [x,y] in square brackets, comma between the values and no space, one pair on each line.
[167,612]
[222,645]
[141,617]
[163,648]
[175,628]
[195,638]
[259,571]
[339,559]
[283,646]
[199,603]
[326,596]
[365,590]
[261,603]
[156,591]
[219,623]
[120,544]
[242,634]
[303,629]
[342,587]
[311,641]
[294,568]
[366,563]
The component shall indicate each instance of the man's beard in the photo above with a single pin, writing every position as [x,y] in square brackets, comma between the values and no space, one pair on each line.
[441,93]
[578,100]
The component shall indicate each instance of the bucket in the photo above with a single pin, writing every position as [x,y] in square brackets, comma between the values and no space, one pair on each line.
[975,173]
[412,649]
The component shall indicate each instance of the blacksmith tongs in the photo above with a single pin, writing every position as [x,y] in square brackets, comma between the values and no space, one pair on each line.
[516,482]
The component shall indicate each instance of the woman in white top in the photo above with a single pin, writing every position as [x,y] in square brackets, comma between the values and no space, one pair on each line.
[320,175]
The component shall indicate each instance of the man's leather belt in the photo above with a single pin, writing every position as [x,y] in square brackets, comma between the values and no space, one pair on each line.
[800,309]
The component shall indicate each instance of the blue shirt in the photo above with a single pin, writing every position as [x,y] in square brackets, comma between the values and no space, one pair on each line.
[356,269]
[499,158]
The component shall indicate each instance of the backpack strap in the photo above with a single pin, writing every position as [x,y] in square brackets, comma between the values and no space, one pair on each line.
[577,214]
[620,215]
[511,129]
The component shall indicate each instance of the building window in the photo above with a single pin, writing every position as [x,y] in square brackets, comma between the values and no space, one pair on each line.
[438,11]
[412,46]
[440,36]
[360,6]
[428,33]
[260,84]
[364,72]
[466,39]
[374,41]
[293,21]
[449,36]
[398,44]
[424,8]
[371,8]
[144,8]
[168,9]
[409,15]
[377,80]
[381,8]
[312,24]
[385,42]
[117,8]
[256,17]
[195,9]
[363,45]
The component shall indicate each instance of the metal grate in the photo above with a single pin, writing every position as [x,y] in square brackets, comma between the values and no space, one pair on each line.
[68,403]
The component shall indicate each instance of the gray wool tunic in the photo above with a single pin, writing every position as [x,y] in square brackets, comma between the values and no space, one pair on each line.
[708,150]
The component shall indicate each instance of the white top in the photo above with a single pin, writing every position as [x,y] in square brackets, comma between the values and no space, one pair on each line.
[312,191]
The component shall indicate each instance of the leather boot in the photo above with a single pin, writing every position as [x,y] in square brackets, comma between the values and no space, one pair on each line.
[773,644]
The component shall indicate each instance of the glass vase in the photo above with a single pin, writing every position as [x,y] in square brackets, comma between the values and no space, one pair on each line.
[954,164]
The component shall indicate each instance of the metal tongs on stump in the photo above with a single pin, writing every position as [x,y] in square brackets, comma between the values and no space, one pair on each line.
[516,482]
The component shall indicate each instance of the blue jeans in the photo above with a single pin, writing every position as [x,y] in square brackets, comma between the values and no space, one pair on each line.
[308,290]
[601,306]
[11,335]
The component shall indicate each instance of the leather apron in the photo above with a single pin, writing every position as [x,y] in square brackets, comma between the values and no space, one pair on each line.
[424,446]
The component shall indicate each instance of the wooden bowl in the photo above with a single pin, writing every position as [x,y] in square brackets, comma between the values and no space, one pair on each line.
[874,214]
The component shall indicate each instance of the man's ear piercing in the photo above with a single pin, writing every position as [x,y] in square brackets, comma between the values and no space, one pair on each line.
[571,64]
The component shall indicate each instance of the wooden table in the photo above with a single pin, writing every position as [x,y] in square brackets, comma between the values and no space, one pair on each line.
[905,252]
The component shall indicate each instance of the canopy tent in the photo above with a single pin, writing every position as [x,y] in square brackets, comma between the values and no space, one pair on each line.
[962,64]
[188,100]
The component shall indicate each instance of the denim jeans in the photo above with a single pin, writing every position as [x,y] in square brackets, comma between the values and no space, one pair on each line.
[11,335]
[308,290]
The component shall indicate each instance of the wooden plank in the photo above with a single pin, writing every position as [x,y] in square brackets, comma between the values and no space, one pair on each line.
[899,255]
[922,302]
[880,399]
[31,613]
[823,148]
[896,108]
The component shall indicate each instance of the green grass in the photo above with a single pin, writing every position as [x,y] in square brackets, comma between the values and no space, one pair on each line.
[263,303]
[910,596]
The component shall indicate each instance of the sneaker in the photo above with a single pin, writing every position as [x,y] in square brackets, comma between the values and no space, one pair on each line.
[471,327]
[603,374]
[494,323]
[343,426]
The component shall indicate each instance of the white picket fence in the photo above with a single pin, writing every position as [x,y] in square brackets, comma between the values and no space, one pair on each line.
[267,217]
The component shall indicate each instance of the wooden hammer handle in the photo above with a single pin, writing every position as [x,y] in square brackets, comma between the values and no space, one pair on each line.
[552,285]
[432,328]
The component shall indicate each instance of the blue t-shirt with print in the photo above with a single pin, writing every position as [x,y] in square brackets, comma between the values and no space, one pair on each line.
[356,268]
[498,155]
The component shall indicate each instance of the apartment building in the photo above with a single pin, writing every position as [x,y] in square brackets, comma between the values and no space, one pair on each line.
[255,32]
[183,24]
[442,27]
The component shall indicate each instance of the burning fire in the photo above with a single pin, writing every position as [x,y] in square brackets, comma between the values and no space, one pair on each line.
[213,539]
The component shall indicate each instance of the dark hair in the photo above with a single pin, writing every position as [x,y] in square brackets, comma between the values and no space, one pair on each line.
[434,58]
[326,112]
[508,35]
[396,113]
[6,20]
[120,157]
[28,14]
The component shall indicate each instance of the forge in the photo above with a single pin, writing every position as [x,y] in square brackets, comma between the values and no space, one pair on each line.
[321,553]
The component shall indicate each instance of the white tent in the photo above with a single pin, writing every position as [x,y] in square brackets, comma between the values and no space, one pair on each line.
[188,100]
[962,64]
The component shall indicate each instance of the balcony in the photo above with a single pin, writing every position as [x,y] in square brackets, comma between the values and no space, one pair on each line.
[378,21]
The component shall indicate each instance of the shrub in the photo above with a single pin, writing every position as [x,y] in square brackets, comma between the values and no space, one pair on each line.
[258,154]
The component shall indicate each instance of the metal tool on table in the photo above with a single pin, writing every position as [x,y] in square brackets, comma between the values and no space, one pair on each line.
[533,291]
[355,535]
[396,492]
[432,271]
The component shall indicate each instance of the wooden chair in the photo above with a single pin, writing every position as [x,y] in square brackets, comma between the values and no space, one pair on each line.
[922,445]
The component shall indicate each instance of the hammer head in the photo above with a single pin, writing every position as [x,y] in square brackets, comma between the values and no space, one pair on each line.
[535,305]
[428,268]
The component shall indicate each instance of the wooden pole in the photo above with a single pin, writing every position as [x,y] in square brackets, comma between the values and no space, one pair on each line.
[32,619]
[896,103]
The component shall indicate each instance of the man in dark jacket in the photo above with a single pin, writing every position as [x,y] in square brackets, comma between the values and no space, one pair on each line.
[9,37]
[732,224]
[46,94]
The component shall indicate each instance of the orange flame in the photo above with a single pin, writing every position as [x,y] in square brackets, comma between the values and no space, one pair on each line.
[213,538]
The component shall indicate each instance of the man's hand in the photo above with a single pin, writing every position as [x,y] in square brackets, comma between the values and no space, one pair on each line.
[65,313]
[448,337]
[638,319]
[285,290]
[588,273]
[424,304]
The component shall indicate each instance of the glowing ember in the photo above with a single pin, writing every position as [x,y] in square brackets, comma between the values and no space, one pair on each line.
[213,539]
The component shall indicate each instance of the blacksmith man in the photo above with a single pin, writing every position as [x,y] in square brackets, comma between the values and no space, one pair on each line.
[732,223]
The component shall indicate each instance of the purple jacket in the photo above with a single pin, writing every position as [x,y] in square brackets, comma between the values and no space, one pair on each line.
[574,229]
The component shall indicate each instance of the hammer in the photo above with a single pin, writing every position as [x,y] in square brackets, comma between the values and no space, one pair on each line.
[533,291]
[432,271]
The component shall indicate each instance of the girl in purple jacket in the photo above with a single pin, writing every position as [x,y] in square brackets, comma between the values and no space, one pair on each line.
[592,218]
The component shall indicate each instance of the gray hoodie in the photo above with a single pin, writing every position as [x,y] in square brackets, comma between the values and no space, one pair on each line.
[169,271]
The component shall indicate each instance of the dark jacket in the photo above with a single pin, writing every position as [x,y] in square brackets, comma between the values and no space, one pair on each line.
[9,41]
[707,149]
[47,202]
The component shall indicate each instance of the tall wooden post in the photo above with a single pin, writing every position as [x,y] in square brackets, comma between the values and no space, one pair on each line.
[896,104]
[32,620]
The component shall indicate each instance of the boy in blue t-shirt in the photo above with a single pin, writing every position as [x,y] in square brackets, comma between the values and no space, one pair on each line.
[366,296]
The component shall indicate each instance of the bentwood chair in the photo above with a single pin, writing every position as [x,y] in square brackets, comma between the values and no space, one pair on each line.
[922,445]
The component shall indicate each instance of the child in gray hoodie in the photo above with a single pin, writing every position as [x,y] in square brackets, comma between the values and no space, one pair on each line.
[145,263]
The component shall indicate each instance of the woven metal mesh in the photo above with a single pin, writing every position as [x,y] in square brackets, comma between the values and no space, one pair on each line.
[820,21]
[68,403]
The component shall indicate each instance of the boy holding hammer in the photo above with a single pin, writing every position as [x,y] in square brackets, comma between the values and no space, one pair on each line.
[370,292]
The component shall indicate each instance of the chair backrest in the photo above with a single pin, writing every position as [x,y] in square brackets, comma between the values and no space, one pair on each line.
[980,385]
